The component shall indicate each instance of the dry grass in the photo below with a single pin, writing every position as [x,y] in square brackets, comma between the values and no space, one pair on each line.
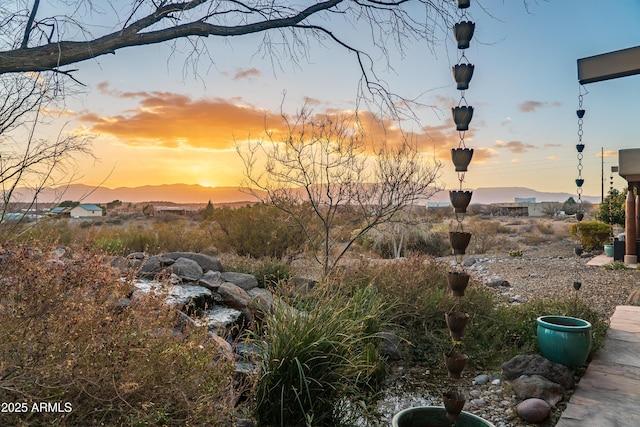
[65,338]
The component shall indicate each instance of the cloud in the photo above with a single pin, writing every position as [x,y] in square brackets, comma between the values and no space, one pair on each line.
[176,122]
[531,106]
[246,74]
[506,121]
[608,153]
[516,147]
[169,120]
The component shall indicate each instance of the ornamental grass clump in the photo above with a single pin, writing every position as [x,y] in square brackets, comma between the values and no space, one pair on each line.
[68,339]
[320,358]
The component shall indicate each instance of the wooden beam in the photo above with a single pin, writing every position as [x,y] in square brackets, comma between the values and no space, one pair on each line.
[610,65]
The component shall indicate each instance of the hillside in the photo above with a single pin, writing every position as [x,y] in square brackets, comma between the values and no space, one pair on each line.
[184,193]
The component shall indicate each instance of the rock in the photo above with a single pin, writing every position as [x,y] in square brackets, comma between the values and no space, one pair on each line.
[482,379]
[234,296]
[165,261]
[242,280]
[534,364]
[189,297]
[537,386]
[136,255]
[211,280]
[480,403]
[469,261]
[58,252]
[150,268]
[533,410]
[390,346]
[497,282]
[475,393]
[205,261]
[496,381]
[262,299]
[187,269]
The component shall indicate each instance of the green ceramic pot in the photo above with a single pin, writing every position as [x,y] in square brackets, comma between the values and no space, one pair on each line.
[608,250]
[565,340]
[435,416]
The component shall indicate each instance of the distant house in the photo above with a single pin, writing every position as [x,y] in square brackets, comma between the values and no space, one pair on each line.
[86,211]
[60,211]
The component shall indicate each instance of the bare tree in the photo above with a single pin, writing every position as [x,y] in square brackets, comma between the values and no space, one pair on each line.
[42,37]
[27,161]
[334,182]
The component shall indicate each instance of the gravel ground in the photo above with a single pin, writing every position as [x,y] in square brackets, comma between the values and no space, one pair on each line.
[545,271]
[549,270]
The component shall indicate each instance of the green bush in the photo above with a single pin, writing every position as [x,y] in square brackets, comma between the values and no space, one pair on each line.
[592,234]
[612,208]
[257,231]
[318,357]
[109,245]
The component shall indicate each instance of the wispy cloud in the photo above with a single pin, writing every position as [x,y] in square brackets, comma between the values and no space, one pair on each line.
[516,147]
[249,73]
[607,154]
[531,106]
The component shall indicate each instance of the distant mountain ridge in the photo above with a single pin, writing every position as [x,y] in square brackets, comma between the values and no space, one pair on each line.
[198,194]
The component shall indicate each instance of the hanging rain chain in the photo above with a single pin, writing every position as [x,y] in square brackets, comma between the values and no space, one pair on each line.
[458,279]
[577,283]
[580,148]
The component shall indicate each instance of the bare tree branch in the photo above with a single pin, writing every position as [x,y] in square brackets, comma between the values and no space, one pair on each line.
[50,43]
[324,170]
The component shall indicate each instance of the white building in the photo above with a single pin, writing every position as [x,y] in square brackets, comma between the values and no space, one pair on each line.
[86,211]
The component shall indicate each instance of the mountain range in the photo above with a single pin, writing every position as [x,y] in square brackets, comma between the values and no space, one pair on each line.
[197,194]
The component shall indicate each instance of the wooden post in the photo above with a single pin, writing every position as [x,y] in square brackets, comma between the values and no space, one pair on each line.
[630,256]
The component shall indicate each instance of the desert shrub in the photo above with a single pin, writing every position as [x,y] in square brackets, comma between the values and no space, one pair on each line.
[592,234]
[486,235]
[109,245]
[180,235]
[319,356]
[545,228]
[422,239]
[65,338]
[257,231]
[49,231]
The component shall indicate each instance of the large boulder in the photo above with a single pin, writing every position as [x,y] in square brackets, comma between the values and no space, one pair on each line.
[233,296]
[534,364]
[207,262]
[150,267]
[537,386]
[187,269]
[242,280]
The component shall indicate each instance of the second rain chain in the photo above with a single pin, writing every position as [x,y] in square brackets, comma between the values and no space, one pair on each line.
[577,283]
[458,279]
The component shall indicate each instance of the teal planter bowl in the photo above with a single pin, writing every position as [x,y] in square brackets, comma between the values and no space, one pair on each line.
[565,340]
[435,416]
[608,250]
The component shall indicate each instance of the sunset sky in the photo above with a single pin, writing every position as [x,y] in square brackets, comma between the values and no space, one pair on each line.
[155,123]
